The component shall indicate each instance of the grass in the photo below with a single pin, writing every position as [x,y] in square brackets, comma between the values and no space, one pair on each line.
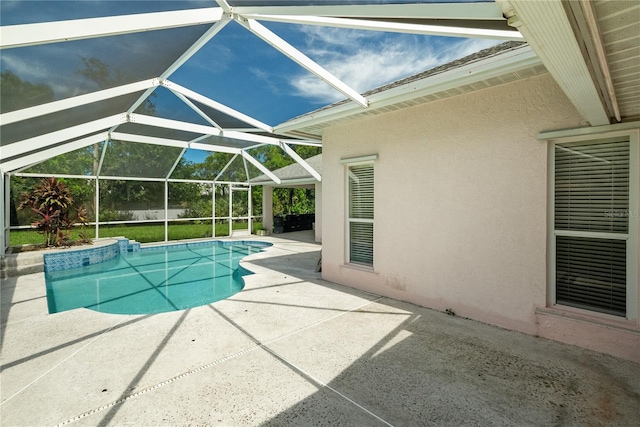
[140,233]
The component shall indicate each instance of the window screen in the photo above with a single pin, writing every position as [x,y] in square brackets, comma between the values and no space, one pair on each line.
[591,198]
[361,204]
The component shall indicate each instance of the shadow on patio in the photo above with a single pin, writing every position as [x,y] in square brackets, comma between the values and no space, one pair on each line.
[291,349]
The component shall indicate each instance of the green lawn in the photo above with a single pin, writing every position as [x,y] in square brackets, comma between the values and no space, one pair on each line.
[139,233]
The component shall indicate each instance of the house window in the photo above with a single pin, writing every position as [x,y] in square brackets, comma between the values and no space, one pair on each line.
[593,242]
[360,214]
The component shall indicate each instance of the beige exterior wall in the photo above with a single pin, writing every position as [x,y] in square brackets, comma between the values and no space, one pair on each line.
[318,222]
[460,201]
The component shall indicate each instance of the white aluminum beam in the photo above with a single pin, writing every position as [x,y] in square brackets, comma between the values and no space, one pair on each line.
[103,155]
[166,142]
[129,137]
[143,119]
[53,138]
[263,169]
[224,5]
[300,161]
[294,54]
[139,101]
[57,175]
[504,63]
[249,137]
[214,148]
[393,27]
[549,32]
[270,140]
[176,88]
[76,101]
[40,156]
[246,169]
[196,144]
[207,130]
[472,11]
[61,31]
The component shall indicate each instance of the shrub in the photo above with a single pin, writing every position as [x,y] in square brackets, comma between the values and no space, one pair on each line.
[51,201]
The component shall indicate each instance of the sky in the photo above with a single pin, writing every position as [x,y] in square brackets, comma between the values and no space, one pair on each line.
[235,68]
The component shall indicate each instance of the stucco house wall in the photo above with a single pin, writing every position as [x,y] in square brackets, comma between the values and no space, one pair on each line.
[460,202]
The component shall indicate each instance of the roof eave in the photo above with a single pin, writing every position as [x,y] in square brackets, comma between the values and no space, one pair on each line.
[494,66]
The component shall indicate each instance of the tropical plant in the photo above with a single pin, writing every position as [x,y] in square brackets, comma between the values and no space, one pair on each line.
[51,202]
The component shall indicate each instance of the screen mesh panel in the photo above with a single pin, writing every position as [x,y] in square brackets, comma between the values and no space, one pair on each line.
[592,186]
[254,172]
[78,162]
[591,273]
[190,200]
[235,172]
[83,66]
[226,142]
[211,166]
[60,120]
[167,105]
[157,132]
[134,159]
[32,11]
[199,229]
[131,200]
[240,203]
[82,190]
[222,119]
[222,201]
[256,201]
[21,185]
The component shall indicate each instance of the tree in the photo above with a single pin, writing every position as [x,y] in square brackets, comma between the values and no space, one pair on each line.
[127,158]
[287,200]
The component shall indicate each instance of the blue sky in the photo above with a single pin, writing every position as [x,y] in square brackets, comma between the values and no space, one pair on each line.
[236,68]
[240,70]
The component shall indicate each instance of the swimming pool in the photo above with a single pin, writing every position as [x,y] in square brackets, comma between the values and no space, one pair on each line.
[153,279]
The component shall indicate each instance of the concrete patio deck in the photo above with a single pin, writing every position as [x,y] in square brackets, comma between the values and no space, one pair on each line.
[291,349]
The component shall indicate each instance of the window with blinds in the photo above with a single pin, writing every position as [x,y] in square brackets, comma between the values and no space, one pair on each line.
[591,217]
[360,218]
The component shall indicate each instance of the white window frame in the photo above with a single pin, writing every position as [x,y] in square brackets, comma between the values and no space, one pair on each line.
[634,212]
[357,161]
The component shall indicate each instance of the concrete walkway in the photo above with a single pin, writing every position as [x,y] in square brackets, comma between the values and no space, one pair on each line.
[291,349]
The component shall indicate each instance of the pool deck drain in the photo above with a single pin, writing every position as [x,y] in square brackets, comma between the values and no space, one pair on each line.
[291,349]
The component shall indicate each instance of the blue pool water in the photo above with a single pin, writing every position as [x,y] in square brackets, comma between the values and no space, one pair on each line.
[153,280]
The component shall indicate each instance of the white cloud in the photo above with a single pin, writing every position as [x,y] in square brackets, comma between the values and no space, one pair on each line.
[266,78]
[366,60]
[334,36]
[36,71]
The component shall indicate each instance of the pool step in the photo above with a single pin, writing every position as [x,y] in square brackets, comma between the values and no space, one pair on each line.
[133,246]
[23,263]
